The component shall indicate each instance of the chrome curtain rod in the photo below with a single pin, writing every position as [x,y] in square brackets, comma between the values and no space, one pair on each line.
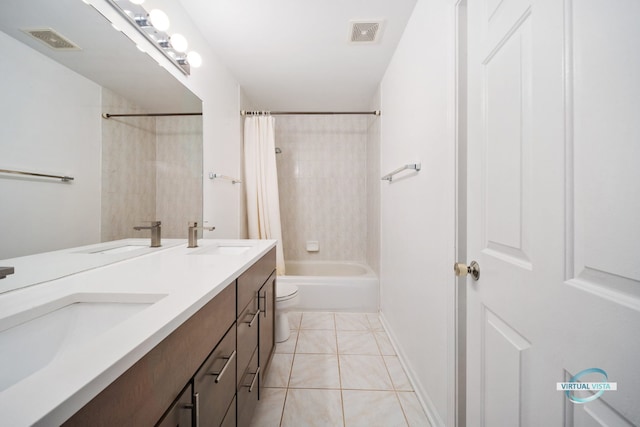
[107,115]
[307,113]
[40,175]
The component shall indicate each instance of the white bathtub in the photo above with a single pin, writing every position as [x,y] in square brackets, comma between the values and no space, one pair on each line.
[333,286]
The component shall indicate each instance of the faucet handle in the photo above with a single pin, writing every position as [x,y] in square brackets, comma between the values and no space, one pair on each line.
[194,225]
[154,223]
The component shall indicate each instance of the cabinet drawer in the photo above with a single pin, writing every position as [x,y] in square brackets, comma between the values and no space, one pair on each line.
[252,279]
[181,413]
[215,381]
[247,326]
[248,392]
[230,418]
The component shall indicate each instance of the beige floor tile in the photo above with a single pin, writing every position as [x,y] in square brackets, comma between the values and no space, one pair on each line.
[396,372]
[313,320]
[352,322]
[364,373]
[337,369]
[295,317]
[384,343]
[372,408]
[374,322]
[288,346]
[357,342]
[316,341]
[279,370]
[270,406]
[315,371]
[413,410]
[312,408]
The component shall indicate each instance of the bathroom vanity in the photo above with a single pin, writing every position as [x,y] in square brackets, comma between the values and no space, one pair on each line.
[185,338]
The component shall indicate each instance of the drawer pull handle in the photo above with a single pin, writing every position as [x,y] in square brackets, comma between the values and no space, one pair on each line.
[253,382]
[263,297]
[224,368]
[254,318]
[196,408]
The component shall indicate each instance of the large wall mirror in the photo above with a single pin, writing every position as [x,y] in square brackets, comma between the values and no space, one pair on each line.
[126,170]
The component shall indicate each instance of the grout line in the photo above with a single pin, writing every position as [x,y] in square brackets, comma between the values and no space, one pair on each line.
[404,414]
[286,394]
[337,354]
[344,416]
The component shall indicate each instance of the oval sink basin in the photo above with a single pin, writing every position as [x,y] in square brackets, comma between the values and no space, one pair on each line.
[32,339]
[120,249]
[232,250]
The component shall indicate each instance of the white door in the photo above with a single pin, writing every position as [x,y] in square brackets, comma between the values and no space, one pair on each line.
[553,210]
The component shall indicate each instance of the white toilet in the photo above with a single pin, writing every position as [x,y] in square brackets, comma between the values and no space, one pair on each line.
[286,298]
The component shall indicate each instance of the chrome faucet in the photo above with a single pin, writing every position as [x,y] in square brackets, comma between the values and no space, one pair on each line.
[193,233]
[155,233]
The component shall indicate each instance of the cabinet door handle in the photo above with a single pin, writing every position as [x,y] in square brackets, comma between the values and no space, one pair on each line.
[224,368]
[253,382]
[196,408]
[263,297]
[253,319]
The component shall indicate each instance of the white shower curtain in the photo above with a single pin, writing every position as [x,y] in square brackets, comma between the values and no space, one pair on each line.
[261,177]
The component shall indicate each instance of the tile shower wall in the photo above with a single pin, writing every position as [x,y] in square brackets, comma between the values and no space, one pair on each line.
[178,173]
[151,169]
[322,173]
[128,169]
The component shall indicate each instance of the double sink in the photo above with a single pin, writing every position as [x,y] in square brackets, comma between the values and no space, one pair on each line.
[32,338]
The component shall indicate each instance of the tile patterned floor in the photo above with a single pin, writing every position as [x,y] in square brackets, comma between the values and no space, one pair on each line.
[337,369]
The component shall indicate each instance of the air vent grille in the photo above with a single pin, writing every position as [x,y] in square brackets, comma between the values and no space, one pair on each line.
[364,31]
[52,39]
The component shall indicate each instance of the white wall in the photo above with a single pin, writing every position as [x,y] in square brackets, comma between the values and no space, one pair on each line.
[373,186]
[417,212]
[245,104]
[49,125]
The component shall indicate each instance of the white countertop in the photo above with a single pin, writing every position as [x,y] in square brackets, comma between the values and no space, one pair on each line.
[180,279]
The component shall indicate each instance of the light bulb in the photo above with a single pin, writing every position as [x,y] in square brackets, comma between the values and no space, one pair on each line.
[194,58]
[137,1]
[179,43]
[159,20]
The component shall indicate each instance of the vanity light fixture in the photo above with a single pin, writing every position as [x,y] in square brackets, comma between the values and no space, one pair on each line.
[153,26]
[159,20]
[179,43]
[194,59]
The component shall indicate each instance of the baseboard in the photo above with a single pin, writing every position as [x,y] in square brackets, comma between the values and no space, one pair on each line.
[429,408]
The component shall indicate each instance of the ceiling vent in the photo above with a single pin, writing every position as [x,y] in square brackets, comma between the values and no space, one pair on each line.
[365,31]
[52,39]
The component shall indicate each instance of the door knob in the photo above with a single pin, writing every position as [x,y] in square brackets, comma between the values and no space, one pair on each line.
[461,269]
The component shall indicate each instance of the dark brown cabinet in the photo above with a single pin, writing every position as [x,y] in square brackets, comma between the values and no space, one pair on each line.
[214,384]
[248,391]
[181,412]
[266,337]
[256,304]
[207,372]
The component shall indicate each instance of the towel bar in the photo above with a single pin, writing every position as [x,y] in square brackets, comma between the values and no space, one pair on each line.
[412,166]
[228,178]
